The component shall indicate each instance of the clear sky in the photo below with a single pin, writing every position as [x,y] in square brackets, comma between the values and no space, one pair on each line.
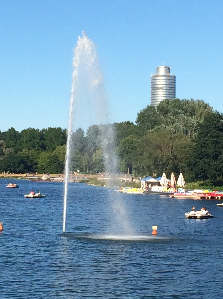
[37,39]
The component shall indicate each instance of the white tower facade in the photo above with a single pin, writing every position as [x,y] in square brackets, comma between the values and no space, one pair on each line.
[163,85]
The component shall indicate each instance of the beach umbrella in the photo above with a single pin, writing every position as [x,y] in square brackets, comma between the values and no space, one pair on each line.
[181,181]
[163,181]
[173,180]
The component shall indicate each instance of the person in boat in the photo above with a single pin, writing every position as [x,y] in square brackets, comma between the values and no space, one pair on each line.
[204,211]
[193,211]
[31,192]
[38,193]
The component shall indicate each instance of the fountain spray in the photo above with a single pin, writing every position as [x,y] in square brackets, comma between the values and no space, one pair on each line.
[86,68]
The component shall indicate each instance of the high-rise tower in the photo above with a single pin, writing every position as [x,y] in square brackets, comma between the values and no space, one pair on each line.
[163,85]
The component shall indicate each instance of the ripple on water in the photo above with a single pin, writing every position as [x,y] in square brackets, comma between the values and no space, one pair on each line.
[185,259]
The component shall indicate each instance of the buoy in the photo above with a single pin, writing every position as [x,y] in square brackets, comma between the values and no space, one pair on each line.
[1,226]
[154,228]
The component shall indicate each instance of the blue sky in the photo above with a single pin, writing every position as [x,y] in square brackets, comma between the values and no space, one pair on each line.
[132,38]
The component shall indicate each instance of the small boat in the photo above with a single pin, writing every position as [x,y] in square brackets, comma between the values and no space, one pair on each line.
[198,215]
[184,195]
[158,192]
[36,195]
[10,185]
[220,204]
[133,191]
[130,190]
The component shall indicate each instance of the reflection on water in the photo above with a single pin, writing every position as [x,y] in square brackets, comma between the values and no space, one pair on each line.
[185,259]
[118,237]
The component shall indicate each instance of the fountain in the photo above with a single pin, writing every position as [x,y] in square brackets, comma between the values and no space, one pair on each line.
[86,68]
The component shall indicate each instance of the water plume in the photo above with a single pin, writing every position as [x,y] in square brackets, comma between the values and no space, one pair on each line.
[88,86]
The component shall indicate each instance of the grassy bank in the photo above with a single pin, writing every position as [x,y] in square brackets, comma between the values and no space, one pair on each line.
[117,183]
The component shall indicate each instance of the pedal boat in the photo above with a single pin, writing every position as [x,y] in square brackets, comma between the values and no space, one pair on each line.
[34,195]
[198,215]
[10,185]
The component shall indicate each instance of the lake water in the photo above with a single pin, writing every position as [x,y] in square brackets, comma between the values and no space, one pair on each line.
[185,259]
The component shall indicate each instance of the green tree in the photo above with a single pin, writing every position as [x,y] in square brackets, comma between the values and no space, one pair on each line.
[148,119]
[98,162]
[206,162]
[17,163]
[125,129]
[49,163]
[11,138]
[31,139]
[4,151]
[160,152]
[78,145]
[182,116]
[53,137]
[79,141]
[127,152]
[60,151]
[93,143]
[93,139]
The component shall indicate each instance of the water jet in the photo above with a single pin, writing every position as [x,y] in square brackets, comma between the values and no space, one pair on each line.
[87,77]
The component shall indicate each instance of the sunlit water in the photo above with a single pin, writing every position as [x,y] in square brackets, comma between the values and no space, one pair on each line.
[185,259]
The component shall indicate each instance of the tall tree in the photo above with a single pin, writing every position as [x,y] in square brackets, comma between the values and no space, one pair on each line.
[125,129]
[127,151]
[182,116]
[160,152]
[4,151]
[31,139]
[147,119]
[206,161]
[11,138]
[53,137]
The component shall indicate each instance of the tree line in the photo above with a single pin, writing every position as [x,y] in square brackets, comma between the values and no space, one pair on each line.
[176,136]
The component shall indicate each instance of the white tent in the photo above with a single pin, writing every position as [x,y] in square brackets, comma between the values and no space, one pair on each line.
[164,180]
[181,181]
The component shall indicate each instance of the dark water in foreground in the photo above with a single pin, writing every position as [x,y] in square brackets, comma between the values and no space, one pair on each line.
[185,260]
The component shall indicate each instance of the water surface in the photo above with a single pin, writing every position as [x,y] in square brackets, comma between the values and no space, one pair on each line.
[92,260]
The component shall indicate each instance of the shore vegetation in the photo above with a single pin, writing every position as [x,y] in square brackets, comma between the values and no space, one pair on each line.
[176,136]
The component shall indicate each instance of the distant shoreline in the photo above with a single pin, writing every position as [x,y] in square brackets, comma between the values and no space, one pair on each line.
[60,177]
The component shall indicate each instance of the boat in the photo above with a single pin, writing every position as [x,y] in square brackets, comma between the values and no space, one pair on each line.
[133,191]
[198,215]
[220,204]
[130,190]
[184,195]
[197,194]
[10,185]
[36,195]
[158,192]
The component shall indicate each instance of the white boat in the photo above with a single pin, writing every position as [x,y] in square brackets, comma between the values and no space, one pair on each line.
[220,204]
[10,185]
[198,215]
[37,195]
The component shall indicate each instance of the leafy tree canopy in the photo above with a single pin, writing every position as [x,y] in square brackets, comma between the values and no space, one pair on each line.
[177,116]
[206,161]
